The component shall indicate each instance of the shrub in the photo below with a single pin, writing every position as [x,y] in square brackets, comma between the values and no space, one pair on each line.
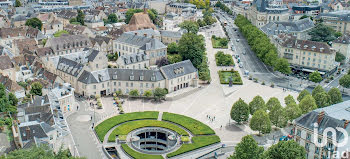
[223,59]
[272,85]
[263,83]
[137,155]
[225,76]
[255,80]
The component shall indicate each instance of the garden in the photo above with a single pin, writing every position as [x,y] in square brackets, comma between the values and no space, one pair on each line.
[219,43]
[223,59]
[226,75]
[202,135]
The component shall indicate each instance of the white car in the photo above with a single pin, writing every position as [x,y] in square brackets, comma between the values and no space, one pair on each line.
[241,65]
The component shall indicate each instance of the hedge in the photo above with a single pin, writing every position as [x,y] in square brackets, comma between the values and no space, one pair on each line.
[138,155]
[126,128]
[198,142]
[223,59]
[194,126]
[237,80]
[102,128]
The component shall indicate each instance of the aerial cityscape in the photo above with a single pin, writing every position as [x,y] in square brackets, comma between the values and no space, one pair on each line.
[174,79]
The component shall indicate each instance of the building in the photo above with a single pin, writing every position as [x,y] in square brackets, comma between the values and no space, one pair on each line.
[260,13]
[298,28]
[133,61]
[106,81]
[7,68]
[92,21]
[102,43]
[310,10]
[147,32]
[339,20]
[305,55]
[66,44]
[134,43]
[12,86]
[139,21]
[179,7]
[334,116]
[65,15]
[64,94]
[342,45]
[78,30]
[170,36]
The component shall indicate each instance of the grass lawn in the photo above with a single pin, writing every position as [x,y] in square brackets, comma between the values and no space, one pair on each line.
[198,142]
[225,76]
[102,128]
[138,155]
[126,128]
[216,42]
[195,126]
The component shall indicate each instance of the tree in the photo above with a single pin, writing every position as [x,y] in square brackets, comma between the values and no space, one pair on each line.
[148,93]
[315,77]
[307,104]
[285,150]
[305,16]
[322,33]
[80,17]
[282,66]
[240,111]
[335,95]
[18,3]
[272,102]
[317,89]
[134,93]
[159,93]
[13,99]
[278,116]
[345,81]
[172,48]
[292,111]
[174,58]
[34,23]
[338,34]
[247,149]
[339,57]
[256,104]
[289,100]
[36,89]
[322,99]
[192,47]
[112,18]
[190,26]
[302,94]
[162,62]
[260,122]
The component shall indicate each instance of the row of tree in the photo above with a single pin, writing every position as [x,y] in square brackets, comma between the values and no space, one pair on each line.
[201,4]
[262,46]
[248,148]
[223,7]
[158,93]
[345,81]
[208,18]
[264,115]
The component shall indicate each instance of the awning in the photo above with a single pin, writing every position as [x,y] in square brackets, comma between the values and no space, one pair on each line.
[309,70]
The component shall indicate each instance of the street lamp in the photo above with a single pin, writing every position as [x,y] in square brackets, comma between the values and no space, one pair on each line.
[75,146]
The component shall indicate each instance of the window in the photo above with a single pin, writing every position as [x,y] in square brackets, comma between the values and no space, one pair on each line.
[307,145]
[317,150]
[152,85]
[141,85]
[103,85]
[308,58]
[94,86]
[131,84]
[298,133]
[296,56]
[308,137]
[146,85]
[96,65]
[127,84]
[119,83]
[115,83]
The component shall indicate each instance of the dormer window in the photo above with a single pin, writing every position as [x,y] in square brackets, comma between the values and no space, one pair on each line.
[321,49]
[298,46]
[153,78]
[313,48]
[305,46]
[141,78]
[131,77]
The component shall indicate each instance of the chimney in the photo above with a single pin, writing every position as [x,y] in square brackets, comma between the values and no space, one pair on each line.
[145,35]
[135,33]
[152,36]
[346,123]
[27,133]
[320,117]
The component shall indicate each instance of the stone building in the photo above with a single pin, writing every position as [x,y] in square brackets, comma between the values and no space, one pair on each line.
[68,44]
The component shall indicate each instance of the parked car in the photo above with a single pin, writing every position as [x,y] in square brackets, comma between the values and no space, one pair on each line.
[241,65]
[237,40]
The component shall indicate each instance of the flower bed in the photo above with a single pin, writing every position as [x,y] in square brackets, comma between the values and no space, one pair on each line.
[225,77]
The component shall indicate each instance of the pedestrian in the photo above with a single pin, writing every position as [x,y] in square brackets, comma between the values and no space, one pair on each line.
[90,117]
[221,127]
[77,107]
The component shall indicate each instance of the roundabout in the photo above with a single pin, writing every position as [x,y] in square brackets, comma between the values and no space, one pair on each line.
[153,135]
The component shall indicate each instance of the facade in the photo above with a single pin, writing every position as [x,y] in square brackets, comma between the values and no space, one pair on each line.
[68,44]
[101,43]
[342,45]
[133,61]
[65,15]
[7,68]
[306,55]
[134,43]
[260,13]
[64,94]
[337,115]
[170,36]
[339,20]
[92,21]
[12,86]
[78,30]
[178,7]
[106,81]
[299,28]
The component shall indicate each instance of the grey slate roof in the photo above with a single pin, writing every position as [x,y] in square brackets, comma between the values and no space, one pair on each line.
[144,43]
[308,120]
[345,39]
[148,32]
[168,33]
[121,75]
[339,15]
[35,130]
[178,69]
[68,66]
[274,28]
[134,58]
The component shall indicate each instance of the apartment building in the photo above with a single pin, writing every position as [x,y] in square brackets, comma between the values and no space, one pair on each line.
[134,43]
[305,55]
[338,20]
[170,36]
[179,7]
[66,44]
[318,121]
[342,45]
[133,61]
